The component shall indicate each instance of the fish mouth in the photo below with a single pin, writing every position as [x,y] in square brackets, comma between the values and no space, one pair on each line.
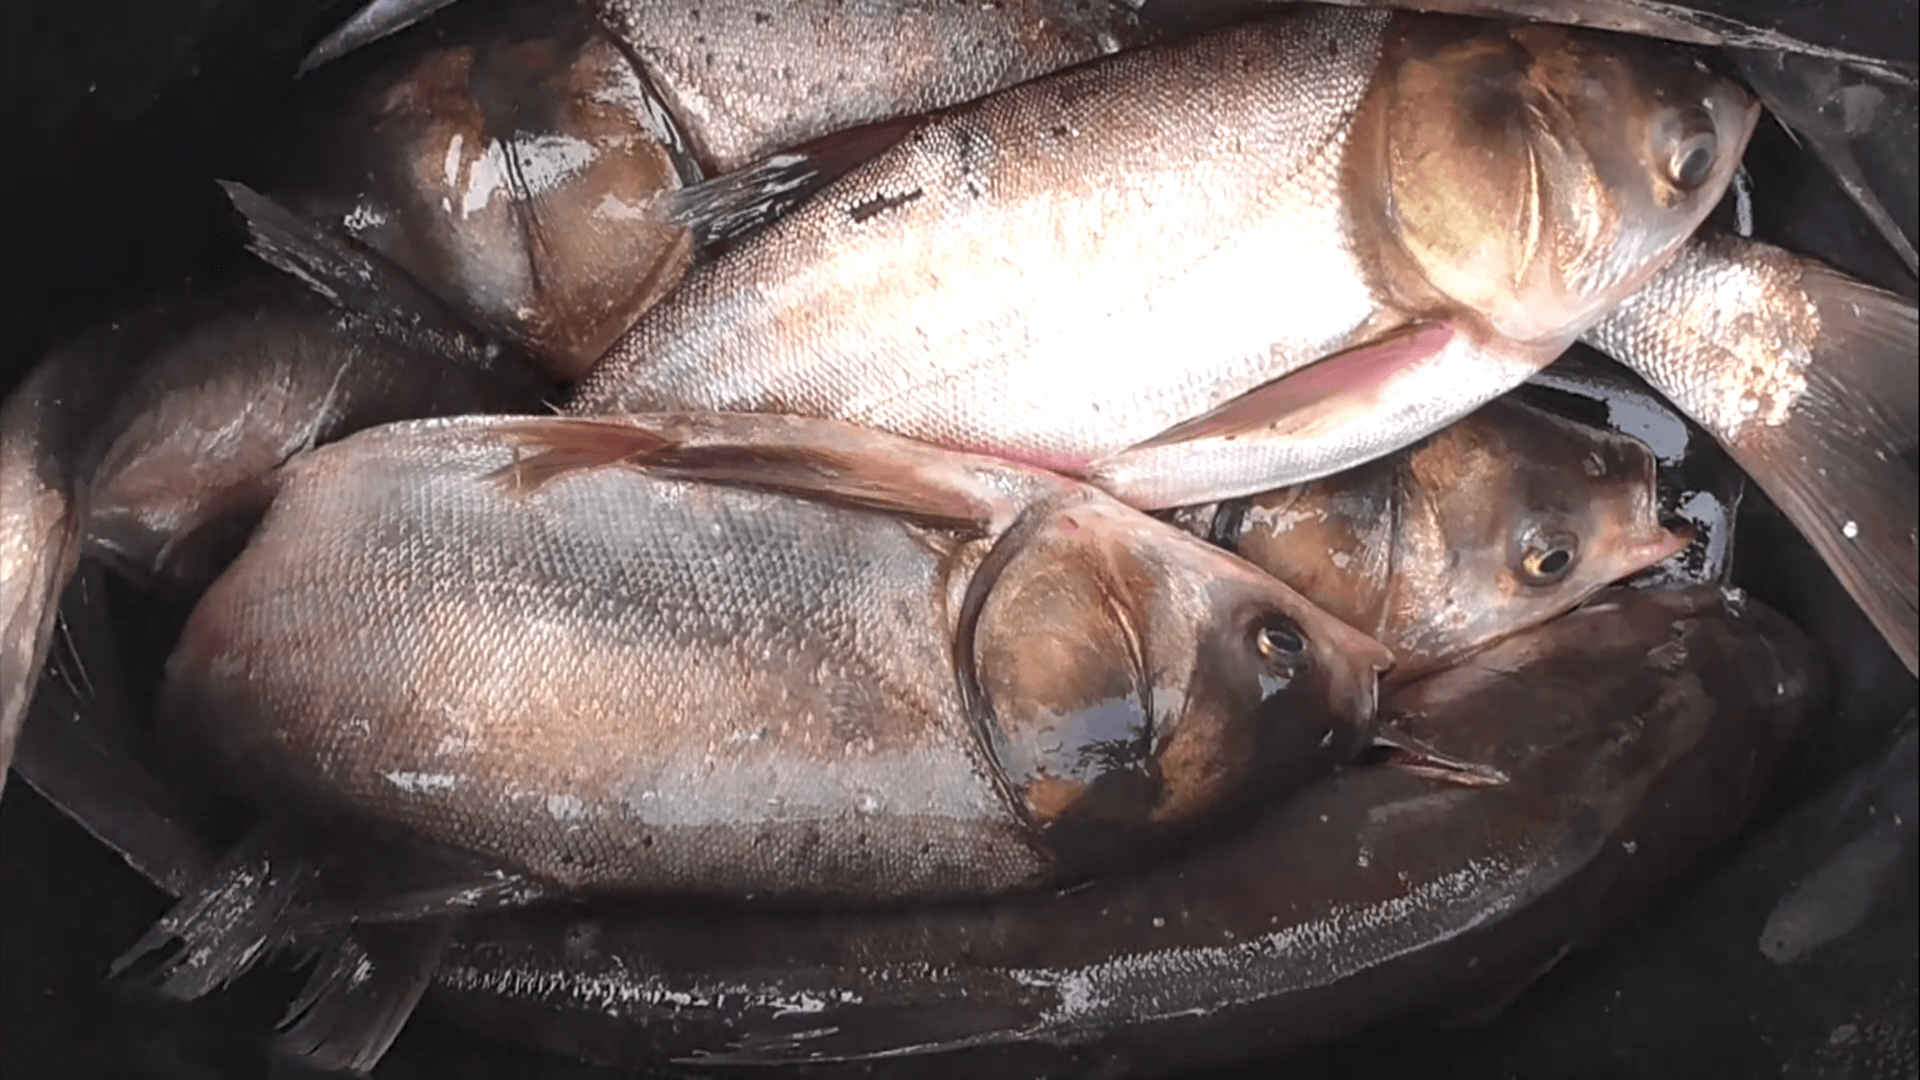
[1657,546]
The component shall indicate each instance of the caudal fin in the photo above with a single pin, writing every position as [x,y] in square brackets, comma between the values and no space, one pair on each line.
[361,993]
[1835,465]
[225,924]
[1811,381]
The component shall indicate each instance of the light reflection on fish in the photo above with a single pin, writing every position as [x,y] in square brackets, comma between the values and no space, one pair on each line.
[880,671]
[511,160]
[1107,270]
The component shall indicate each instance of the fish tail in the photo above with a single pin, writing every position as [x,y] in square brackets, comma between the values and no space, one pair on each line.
[361,993]
[225,924]
[1868,358]
[1857,505]
[1835,466]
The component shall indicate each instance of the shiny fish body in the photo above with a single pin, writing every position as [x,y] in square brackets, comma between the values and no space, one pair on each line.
[622,680]
[748,79]
[1070,268]
[1498,523]
[1636,733]
[511,160]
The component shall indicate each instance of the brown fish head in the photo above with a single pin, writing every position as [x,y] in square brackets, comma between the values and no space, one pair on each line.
[1133,677]
[513,170]
[1536,175]
[1508,519]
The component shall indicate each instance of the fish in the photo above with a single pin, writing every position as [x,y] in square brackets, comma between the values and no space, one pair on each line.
[1498,523]
[1808,379]
[747,80]
[1633,734]
[1198,270]
[512,162]
[1637,733]
[141,443]
[749,657]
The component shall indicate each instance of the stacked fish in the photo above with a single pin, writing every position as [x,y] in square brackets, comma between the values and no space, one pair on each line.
[1006,455]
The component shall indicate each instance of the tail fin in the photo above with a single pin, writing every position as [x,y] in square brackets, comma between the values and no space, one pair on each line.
[361,993]
[226,924]
[1810,380]
[1835,466]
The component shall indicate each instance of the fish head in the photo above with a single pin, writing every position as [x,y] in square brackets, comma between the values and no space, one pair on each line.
[1537,175]
[1508,519]
[1136,677]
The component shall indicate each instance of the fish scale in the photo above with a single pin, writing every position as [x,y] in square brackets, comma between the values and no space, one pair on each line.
[1071,272]
[642,683]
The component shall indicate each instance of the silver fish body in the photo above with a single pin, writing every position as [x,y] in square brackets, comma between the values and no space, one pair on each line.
[652,679]
[749,79]
[1063,272]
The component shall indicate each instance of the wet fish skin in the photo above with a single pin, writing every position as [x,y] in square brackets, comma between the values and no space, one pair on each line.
[656,680]
[1638,732]
[511,160]
[1808,379]
[1496,524]
[1028,268]
[749,79]
[141,443]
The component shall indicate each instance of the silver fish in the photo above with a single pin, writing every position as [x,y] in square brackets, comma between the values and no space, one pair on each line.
[1809,380]
[1498,523]
[1111,271]
[502,636]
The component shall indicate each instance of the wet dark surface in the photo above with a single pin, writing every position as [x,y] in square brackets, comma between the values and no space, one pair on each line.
[1795,956]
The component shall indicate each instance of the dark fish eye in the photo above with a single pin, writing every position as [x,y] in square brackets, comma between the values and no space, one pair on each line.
[1282,646]
[1548,558]
[1694,150]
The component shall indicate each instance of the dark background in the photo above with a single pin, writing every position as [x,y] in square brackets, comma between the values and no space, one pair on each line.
[118,112]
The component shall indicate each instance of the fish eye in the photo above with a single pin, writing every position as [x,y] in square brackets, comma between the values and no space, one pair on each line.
[1282,646]
[1694,149]
[1549,557]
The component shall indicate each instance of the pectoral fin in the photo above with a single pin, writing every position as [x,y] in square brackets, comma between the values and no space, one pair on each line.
[1339,412]
[1313,397]
[376,20]
[349,274]
[727,207]
[823,460]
